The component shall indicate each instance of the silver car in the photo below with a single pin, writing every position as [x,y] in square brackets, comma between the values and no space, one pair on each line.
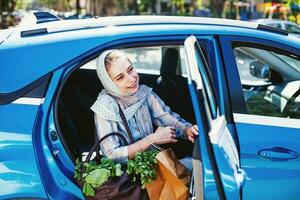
[290,27]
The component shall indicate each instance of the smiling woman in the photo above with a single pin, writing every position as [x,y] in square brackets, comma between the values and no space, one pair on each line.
[141,106]
[120,71]
[81,89]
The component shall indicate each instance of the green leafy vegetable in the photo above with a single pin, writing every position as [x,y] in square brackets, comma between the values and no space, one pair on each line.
[142,168]
[97,177]
[89,190]
[93,174]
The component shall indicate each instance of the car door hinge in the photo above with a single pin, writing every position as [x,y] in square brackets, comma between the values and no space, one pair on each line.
[240,177]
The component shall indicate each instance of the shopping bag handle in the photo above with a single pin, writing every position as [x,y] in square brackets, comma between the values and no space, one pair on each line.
[120,136]
[156,146]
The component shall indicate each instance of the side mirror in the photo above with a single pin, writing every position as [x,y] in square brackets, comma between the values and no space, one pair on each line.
[259,70]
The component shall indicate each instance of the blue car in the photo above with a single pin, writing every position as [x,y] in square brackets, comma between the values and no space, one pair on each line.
[238,81]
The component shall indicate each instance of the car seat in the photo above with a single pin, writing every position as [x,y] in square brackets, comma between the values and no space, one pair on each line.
[172,88]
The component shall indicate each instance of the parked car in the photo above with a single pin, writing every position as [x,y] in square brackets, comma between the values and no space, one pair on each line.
[239,81]
[291,27]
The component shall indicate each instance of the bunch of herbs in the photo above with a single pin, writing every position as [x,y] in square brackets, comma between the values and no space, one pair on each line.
[142,167]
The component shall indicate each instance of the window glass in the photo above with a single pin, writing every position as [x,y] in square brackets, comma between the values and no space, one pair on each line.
[276,25]
[291,28]
[183,61]
[270,80]
[144,59]
[207,80]
[290,61]
[148,60]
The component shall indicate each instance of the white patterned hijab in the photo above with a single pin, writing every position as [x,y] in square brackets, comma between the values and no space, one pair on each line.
[104,77]
[106,105]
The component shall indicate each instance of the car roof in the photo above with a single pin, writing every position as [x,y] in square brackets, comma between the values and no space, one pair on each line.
[47,46]
[130,21]
[273,21]
[4,34]
[138,20]
[102,22]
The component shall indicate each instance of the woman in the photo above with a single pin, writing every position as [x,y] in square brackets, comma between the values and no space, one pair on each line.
[141,106]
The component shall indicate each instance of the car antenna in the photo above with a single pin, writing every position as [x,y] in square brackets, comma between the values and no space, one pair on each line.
[42,17]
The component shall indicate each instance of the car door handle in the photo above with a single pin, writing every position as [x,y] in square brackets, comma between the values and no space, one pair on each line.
[278,154]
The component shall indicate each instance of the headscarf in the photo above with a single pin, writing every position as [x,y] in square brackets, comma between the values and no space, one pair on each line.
[106,105]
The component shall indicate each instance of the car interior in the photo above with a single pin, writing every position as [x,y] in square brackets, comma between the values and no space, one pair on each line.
[270,81]
[79,92]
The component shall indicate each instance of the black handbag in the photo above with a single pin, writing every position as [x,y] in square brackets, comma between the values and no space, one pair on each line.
[116,188]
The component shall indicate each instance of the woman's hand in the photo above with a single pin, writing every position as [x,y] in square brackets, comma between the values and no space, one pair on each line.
[163,135]
[192,133]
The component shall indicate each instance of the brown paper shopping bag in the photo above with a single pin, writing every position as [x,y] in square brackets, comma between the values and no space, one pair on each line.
[172,179]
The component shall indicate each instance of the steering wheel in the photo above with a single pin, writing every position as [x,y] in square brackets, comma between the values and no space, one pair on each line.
[292,108]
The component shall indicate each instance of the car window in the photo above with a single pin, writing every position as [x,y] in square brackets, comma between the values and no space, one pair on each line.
[144,59]
[291,28]
[270,80]
[276,25]
[148,60]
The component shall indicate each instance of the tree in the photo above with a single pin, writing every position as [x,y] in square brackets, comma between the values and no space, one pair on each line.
[6,6]
[217,7]
[178,7]
[101,7]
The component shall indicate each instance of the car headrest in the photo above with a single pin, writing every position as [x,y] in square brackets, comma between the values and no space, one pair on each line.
[169,63]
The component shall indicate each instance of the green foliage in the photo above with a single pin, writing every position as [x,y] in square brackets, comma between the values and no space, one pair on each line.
[142,168]
[198,4]
[143,5]
[48,3]
[94,175]
[8,5]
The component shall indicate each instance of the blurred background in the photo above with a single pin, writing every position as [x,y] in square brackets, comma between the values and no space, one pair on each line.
[18,12]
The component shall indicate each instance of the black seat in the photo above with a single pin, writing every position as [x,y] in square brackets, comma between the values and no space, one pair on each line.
[173,88]
[75,117]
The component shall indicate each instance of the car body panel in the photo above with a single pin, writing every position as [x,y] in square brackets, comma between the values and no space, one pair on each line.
[209,188]
[61,45]
[219,139]
[28,128]
[4,34]
[257,141]
[58,183]
[257,134]
[19,170]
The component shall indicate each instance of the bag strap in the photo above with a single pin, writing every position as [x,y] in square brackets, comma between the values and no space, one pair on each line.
[125,123]
[98,156]
[98,143]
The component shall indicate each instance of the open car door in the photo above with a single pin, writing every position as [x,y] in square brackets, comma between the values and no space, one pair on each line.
[216,161]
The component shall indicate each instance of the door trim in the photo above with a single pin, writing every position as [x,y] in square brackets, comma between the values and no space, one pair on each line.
[266,120]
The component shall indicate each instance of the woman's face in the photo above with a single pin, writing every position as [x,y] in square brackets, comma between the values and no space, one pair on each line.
[124,75]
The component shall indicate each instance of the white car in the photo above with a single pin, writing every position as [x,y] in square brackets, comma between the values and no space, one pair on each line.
[290,27]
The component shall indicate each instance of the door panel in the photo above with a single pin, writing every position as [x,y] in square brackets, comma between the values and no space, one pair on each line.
[269,145]
[204,174]
[217,146]
[269,156]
